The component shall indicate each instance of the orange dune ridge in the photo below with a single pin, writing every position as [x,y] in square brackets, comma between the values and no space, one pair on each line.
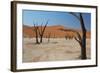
[52,31]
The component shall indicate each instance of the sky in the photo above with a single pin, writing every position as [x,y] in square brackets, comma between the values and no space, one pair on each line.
[55,18]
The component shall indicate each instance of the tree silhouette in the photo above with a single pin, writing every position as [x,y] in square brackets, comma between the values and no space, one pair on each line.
[49,37]
[81,40]
[39,32]
[36,33]
[42,30]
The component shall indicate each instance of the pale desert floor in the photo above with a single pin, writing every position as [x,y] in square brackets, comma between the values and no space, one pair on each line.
[58,49]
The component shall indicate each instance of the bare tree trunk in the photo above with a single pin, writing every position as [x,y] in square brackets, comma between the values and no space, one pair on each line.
[37,42]
[83,48]
[41,39]
[36,33]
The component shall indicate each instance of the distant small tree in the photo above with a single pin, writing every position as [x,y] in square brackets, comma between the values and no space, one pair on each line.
[49,37]
[66,37]
[54,36]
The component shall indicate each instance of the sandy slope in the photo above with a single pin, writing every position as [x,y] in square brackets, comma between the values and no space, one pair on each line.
[54,31]
[57,49]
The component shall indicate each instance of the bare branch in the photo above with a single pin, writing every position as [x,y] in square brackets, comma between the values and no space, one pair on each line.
[78,35]
[75,15]
[78,41]
[39,31]
[44,27]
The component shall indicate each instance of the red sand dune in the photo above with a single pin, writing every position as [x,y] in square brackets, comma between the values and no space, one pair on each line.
[53,31]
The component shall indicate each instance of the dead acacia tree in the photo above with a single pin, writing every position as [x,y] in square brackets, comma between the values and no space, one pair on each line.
[42,30]
[39,32]
[49,37]
[82,40]
[36,33]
